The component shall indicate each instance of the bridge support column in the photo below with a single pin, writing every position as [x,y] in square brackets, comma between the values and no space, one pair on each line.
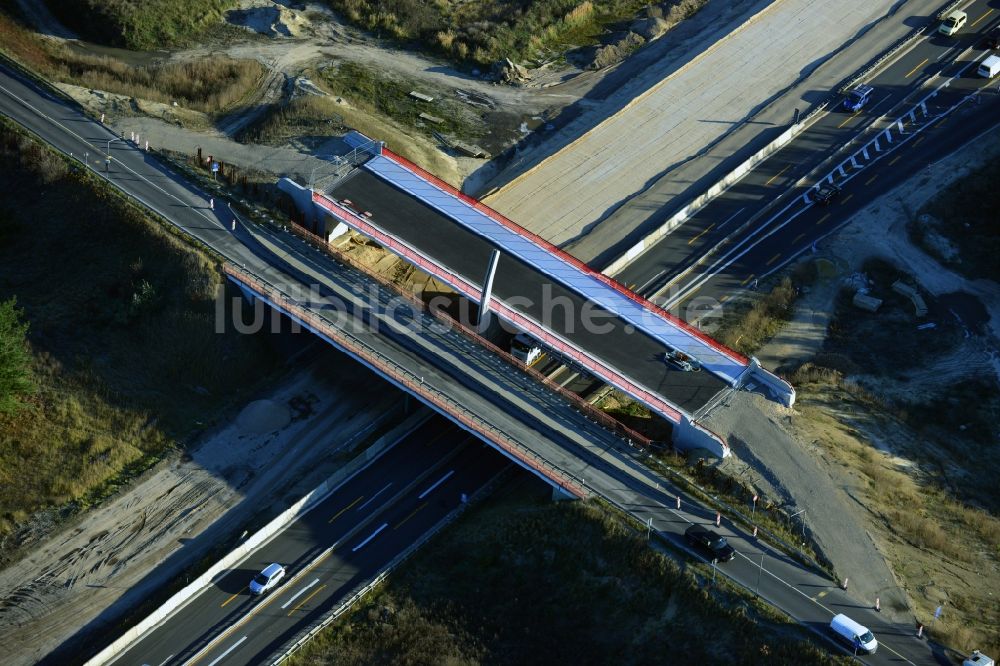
[487,292]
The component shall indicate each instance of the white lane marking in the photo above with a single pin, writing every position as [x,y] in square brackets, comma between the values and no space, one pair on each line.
[806,596]
[436,484]
[374,496]
[748,243]
[298,594]
[226,653]
[164,662]
[182,184]
[650,281]
[732,217]
[365,542]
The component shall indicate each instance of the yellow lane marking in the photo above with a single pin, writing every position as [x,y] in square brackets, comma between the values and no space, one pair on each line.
[797,239]
[916,68]
[744,283]
[941,122]
[703,232]
[773,259]
[895,159]
[412,513]
[981,18]
[823,219]
[846,199]
[341,512]
[771,179]
[303,602]
[223,605]
[871,180]
[919,139]
[821,595]
[848,119]
[725,297]
[631,287]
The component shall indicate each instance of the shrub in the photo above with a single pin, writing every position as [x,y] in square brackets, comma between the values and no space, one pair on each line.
[15,357]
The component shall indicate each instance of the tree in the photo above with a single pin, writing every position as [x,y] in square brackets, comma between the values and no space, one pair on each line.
[15,358]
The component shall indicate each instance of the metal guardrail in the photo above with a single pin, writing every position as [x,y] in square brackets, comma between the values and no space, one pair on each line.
[403,377]
[579,403]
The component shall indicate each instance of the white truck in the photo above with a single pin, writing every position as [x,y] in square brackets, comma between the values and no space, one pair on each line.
[989,67]
[524,348]
[977,658]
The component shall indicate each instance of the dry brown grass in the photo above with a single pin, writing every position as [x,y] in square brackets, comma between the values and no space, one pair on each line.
[943,551]
[210,85]
[126,356]
[747,326]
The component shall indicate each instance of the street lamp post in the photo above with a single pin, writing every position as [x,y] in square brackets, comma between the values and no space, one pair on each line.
[802,520]
[107,153]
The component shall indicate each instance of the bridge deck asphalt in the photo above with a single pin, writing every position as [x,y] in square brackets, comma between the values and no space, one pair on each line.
[588,326]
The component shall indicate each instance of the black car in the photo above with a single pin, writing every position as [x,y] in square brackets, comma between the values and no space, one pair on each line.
[992,40]
[824,194]
[710,542]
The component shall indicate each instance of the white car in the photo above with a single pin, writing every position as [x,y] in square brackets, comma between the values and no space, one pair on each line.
[953,23]
[267,579]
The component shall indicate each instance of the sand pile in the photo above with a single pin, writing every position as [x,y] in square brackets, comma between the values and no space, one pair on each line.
[263,416]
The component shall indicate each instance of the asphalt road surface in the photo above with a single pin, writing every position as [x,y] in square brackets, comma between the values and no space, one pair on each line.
[572,443]
[763,221]
[358,529]
[586,325]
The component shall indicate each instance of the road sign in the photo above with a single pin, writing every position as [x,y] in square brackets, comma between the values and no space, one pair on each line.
[215,166]
[937,613]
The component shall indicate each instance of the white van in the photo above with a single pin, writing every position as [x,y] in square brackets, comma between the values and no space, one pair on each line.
[853,634]
[989,67]
[525,349]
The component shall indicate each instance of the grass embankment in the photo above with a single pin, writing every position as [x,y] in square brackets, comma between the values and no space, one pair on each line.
[959,226]
[485,31]
[140,24]
[748,323]
[527,581]
[321,116]
[209,85]
[938,516]
[126,360]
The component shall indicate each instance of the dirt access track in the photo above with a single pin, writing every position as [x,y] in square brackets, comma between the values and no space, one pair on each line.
[270,453]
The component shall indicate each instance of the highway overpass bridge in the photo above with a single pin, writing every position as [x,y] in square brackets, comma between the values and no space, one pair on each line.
[577,313]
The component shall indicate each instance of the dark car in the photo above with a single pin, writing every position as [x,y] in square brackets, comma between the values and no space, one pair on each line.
[824,194]
[992,40]
[710,542]
[857,98]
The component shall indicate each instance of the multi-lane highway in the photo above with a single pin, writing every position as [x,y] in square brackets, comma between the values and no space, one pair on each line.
[526,412]
[337,546]
[927,103]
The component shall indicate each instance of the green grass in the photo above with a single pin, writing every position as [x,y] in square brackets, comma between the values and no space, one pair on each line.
[966,215]
[388,96]
[15,357]
[140,24]
[524,581]
[485,31]
[126,359]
